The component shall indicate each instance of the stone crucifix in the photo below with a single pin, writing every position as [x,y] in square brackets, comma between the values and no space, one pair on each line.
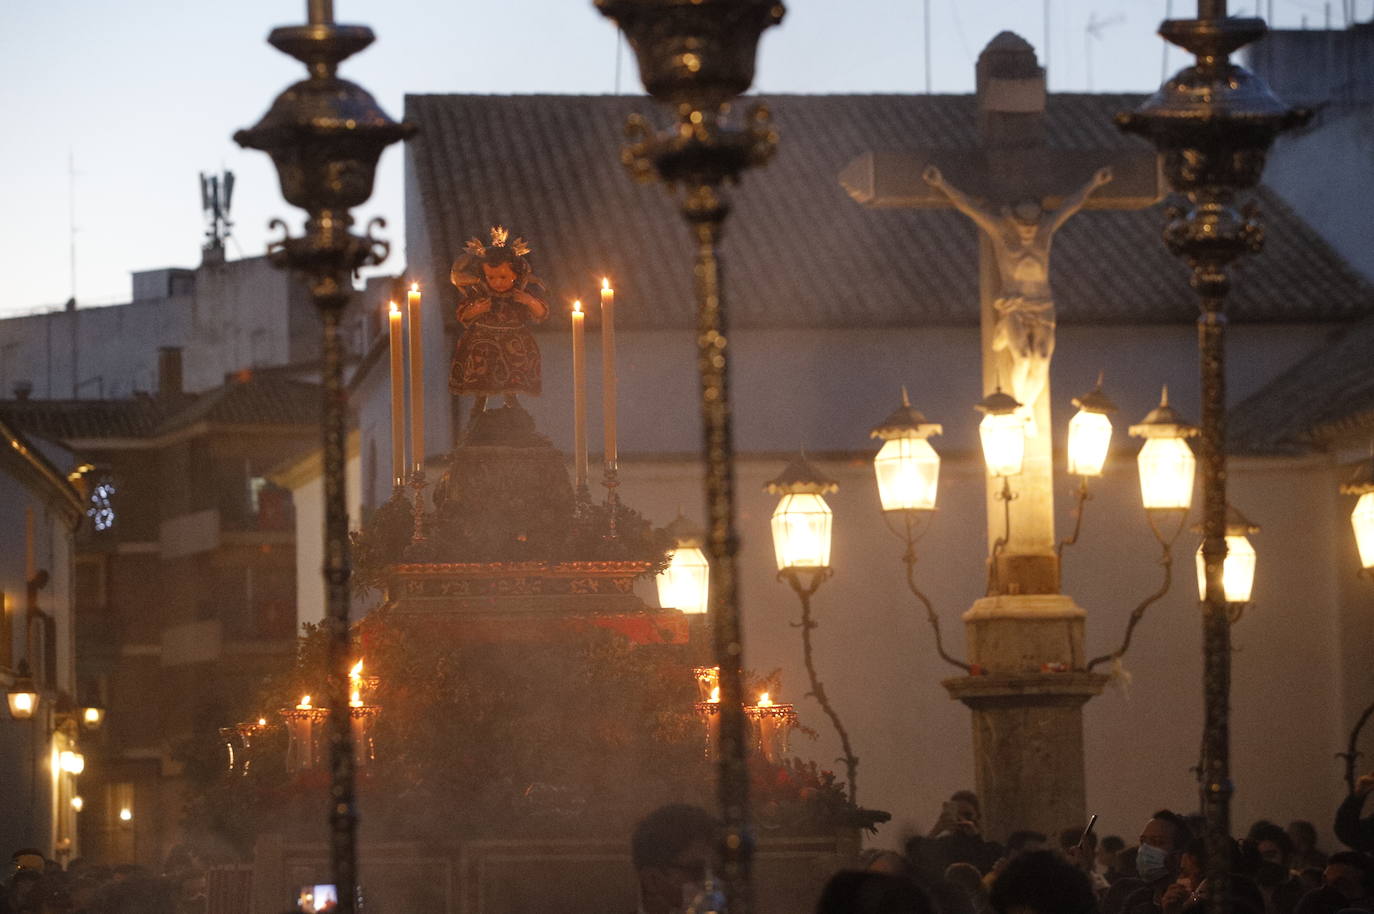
[1025,638]
[1021,235]
[1019,191]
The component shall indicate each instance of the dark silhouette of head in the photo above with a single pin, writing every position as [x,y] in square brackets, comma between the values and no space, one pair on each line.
[671,849]
[854,892]
[1040,882]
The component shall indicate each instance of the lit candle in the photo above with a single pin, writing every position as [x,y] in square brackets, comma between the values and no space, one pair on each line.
[579,360]
[608,377]
[355,685]
[417,380]
[398,434]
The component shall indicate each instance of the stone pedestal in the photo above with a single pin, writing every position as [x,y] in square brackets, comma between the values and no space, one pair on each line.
[1027,700]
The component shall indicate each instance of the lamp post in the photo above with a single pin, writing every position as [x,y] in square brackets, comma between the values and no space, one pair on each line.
[802,524]
[1212,124]
[698,57]
[325,135]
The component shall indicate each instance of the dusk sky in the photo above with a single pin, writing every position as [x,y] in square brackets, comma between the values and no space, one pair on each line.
[145,94]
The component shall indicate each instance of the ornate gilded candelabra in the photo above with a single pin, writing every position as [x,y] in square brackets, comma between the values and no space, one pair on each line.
[325,135]
[698,57]
[1213,123]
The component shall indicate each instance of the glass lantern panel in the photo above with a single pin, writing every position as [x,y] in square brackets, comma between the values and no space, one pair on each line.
[1166,474]
[685,583]
[1362,519]
[23,704]
[1237,573]
[1090,435]
[801,532]
[908,471]
[1004,442]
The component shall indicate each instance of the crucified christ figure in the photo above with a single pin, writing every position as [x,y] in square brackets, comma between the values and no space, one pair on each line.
[1021,235]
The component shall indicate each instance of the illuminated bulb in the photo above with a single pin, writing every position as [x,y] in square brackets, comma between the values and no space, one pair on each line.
[126,814]
[1166,474]
[1362,519]
[262,721]
[71,762]
[77,803]
[685,583]
[1004,442]
[801,531]
[1237,571]
[1090,435]
[908,471]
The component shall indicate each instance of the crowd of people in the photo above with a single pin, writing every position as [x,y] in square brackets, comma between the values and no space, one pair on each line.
[37,885]
[954,869]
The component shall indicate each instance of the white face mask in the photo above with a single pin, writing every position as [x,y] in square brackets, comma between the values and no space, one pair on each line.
[1151,863]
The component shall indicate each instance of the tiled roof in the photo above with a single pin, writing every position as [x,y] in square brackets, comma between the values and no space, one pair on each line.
[1327,398]
[254,400]
[68,420]
[258,400]
[798,251]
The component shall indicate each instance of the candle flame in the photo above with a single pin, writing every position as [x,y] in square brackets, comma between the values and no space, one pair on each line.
[262,721]
[605,283]
[305,703]
[765,701]
[415,287]
[355,685]
[715,694]
[577,306]
[395,311]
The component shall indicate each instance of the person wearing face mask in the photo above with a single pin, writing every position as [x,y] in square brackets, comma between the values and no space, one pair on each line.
[1157,866]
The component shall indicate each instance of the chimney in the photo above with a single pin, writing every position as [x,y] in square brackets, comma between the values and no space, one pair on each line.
[22,389]
[169,371]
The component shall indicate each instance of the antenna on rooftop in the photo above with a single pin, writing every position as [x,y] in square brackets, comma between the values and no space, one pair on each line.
[216,196]
[71,222]
[1093,31]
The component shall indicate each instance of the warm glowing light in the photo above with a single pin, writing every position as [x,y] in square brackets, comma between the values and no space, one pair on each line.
[71,762]
[908,471]
[1090,436]
[395,311]
[77,803]
[685,583]
[1237,572]
[126,814]
[305,703]
[801,531]
[23,703]
[765,701]
[91,715]
[577,306]
[605,283]
[1166,473]
[1362,519]
[1004,442]
[415,287]
[715,694]
[355,685]
[262,721]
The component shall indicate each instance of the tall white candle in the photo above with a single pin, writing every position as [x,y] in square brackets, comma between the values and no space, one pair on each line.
[579,360]
[608,373]
[398,406]
[417,380]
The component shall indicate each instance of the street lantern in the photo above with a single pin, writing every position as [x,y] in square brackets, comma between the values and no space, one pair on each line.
[1003,433]
[1090,432]
[1362,518]
[802,519]
[92,714]
[1238,571]
[71,762]
[1166,461]
[685,583]
[23,695]
[907,467]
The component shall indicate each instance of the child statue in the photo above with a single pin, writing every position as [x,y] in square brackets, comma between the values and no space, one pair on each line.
[499,295]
